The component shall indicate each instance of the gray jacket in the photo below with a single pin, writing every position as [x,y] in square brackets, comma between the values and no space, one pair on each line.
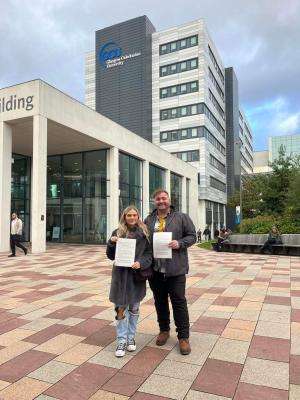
[124,288]
[183,230]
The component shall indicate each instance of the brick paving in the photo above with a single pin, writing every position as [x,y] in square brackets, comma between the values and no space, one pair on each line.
[57,335]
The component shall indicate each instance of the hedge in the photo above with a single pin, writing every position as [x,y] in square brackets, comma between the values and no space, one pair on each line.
[263,224]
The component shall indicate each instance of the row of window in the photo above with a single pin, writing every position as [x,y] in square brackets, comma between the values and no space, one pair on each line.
[192,109]
[178,45]
[217,164]
[178,67]
[216,184]
[191,133]
[249,154]
[248,142]
[248,131]
[188,156]
[245,161]
[176,90]
[241,117]
[217,105]
[215,83]
[216,65]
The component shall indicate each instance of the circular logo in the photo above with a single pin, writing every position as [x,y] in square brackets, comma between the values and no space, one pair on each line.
[109,51]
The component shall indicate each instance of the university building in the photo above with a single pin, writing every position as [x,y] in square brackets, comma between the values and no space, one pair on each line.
[69,171]
[172,89]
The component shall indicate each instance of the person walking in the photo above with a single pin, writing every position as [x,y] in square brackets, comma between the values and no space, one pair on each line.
[16,228]
[169,278]
[207,233]
[128,285]
[199,233]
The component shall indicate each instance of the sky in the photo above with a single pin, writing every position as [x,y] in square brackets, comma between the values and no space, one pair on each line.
[258,38]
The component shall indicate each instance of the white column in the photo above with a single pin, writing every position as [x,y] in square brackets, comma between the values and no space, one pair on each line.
[146,194]
[39,185]
[113,200]
[183,194]
[5,184]
[168,181]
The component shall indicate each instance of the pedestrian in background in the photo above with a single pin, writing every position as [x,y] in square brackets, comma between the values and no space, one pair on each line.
[16,230]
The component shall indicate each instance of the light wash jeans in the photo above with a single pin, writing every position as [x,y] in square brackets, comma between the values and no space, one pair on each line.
[126,327]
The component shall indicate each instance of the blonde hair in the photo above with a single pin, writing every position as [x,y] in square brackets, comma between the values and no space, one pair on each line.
[123,227]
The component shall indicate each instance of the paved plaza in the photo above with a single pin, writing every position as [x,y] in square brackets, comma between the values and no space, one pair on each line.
[57,331]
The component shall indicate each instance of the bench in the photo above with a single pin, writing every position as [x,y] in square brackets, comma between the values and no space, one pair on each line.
[252,243]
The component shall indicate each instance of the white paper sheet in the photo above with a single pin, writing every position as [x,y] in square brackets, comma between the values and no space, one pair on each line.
[125,252]
[161,241]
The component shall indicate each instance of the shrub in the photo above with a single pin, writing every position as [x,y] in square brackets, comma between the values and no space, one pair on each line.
[263,224]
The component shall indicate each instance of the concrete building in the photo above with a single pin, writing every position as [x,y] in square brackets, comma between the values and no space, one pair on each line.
[188,107]
[69,171]
[261,162]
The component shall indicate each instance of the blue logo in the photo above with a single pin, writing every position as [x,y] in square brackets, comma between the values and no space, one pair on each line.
[109,51]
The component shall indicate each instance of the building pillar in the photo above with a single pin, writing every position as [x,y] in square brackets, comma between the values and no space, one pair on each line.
[5,184]
[113,200]
[39,185]
[183,194]
[146,194]
[168,181]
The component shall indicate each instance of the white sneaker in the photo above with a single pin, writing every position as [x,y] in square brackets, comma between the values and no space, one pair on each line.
[131,346]
[120,350]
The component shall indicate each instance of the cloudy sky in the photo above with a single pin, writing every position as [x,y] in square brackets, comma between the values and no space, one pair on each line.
[259,38]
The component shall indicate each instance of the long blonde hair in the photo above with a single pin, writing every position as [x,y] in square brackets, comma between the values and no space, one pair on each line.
[123,227]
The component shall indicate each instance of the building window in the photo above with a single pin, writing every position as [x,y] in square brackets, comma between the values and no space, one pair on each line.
[130,182]
[178,45]
[77,197]
[215,83]
[188,156]
[193,109]
[216,184]
[177,90]
[178,67]
[176,191]
[189,133]
[157,180]
[217,164]
[216,105]
[216,65]
[245,161]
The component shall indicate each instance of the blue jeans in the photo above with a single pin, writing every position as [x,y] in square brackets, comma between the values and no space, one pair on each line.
[126,326]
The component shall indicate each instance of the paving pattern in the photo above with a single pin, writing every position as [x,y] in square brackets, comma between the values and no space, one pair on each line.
[57,331]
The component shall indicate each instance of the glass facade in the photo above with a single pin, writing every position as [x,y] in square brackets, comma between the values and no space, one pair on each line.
[291,144]
[77,197]
[157,180]
[176,191]
[20,191]
[130,182]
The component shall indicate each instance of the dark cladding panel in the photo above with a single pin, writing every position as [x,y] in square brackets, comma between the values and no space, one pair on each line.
[124,92]
[233,144]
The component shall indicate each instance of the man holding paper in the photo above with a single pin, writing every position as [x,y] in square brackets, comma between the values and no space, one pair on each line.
[172,232]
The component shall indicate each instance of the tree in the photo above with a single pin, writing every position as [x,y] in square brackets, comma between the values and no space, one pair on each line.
[293,197]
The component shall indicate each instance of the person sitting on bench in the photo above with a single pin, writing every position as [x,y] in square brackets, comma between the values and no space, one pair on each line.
[273,238]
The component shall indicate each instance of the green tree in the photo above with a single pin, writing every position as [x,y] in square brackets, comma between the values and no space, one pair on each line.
[293,197]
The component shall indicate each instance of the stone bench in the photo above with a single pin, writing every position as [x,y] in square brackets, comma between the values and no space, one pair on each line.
[252,243]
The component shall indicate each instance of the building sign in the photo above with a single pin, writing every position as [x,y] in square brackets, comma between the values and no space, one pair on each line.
[238,215]
[14,103]
[111,55]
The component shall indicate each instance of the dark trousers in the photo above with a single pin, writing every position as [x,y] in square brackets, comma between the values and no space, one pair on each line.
[173,287]
[15,240]
[268,245]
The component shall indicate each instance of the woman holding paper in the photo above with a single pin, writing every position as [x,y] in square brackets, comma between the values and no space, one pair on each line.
[131,251]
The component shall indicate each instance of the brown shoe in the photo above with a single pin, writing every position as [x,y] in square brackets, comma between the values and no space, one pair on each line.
[184,347]
[162,338]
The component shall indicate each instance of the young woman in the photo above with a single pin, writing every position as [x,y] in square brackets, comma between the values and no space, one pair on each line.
[128,288]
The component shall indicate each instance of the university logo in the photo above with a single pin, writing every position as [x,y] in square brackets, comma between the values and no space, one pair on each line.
[108,52]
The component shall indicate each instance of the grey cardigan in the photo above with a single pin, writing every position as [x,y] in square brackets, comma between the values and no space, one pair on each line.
[183,230]
[124,288]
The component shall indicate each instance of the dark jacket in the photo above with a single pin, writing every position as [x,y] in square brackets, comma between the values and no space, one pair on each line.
[183,230]
[124,290]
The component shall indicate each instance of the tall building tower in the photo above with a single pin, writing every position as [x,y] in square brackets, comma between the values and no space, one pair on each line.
[188,116]
[123,77]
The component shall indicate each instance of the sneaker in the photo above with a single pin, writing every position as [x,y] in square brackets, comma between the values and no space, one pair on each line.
[120,350]
[131,346]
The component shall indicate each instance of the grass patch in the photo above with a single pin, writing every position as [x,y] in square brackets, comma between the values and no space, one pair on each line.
[206,245]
